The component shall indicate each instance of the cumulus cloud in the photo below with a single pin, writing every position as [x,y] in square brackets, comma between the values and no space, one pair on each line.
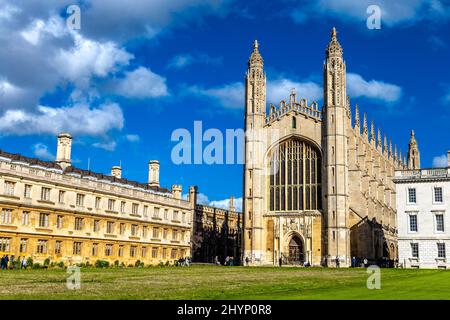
[440,161]
[78,119]
[182,61]
[374,89]
[89,58]
[392,12]
[142,83]
[41,151]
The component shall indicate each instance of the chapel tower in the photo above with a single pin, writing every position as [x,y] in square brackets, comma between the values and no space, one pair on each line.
[336,200]
[255,106]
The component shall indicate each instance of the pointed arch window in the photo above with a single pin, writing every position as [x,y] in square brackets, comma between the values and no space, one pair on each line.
[295,180]
[294,122]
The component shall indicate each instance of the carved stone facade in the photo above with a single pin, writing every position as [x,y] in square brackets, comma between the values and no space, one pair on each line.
[316,189]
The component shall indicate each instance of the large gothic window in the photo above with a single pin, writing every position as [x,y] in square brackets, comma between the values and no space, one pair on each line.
[295,177]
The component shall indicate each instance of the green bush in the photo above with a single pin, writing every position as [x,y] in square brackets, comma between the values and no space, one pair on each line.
[47,262]
[122,264]
[130,265]
[36,265]
[29,262]
[167,263]
[60,264]
[88,264]
[101,264]
[137,264]
[116,263]
[82,265]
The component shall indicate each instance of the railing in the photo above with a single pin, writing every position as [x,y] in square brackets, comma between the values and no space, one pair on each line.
[424,173]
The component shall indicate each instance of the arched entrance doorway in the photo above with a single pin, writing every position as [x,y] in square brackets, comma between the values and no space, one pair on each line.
[295,251]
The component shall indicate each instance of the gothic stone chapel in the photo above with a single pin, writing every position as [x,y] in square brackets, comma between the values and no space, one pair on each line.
[329,195]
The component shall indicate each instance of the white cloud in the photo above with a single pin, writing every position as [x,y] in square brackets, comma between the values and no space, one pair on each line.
[107,145]
[89,58]
[132,137]
[374,89]
[182,61]
[41,151]
[392,12]
[440,161]
[78,119]
[142,83]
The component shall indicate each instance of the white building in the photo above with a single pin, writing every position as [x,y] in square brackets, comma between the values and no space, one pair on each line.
[423,213]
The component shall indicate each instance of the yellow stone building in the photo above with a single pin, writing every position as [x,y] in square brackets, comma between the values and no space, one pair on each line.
[316,189]
[54,210]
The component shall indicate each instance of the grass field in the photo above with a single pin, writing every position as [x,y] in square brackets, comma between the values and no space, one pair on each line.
[213,282]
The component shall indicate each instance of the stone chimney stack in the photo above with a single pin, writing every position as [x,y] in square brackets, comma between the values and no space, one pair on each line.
[116,171]
[176,191]
[64,149]
[153,173]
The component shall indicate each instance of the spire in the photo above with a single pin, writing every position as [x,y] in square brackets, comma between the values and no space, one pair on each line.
[365,131]
[390,149]
[357,123]
[379,139]
[385,146]
[334,47]
[413,153]
[395,152]
[256,59]
[372,132]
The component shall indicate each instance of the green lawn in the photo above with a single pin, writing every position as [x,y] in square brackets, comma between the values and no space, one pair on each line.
[212,282]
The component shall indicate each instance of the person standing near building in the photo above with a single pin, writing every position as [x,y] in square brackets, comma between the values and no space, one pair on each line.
[24,263]
[5,263]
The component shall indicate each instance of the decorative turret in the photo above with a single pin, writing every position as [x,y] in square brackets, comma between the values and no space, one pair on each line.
[413,153]
[385,147]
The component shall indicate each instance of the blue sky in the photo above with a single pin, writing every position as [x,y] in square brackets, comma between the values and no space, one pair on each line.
[138,70]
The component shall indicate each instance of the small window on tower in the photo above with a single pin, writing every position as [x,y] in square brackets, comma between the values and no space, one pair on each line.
[294,122]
